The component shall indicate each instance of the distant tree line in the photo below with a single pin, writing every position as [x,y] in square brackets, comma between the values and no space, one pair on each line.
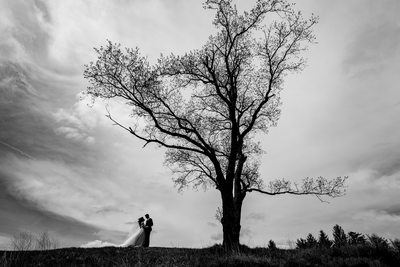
[351,249]
[341,239]
[23,241]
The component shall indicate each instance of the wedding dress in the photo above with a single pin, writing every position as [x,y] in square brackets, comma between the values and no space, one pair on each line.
[136,239]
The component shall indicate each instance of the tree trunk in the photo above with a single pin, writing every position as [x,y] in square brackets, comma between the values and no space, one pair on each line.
[231,209]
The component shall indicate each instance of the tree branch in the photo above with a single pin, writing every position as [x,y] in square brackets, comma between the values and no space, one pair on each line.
[318,187]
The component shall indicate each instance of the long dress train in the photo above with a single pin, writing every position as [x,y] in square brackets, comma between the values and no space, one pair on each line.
[136,239]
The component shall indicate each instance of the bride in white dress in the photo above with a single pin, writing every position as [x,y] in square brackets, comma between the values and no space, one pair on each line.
[137,238]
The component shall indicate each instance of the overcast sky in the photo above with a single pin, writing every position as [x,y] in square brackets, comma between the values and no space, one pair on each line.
[65,169]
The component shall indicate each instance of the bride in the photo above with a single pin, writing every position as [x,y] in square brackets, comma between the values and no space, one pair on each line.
[137,238]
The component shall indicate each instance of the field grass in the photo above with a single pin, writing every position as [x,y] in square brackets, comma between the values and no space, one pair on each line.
[213,256]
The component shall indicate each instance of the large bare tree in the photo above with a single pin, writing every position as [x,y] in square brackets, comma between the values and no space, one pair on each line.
[207,105]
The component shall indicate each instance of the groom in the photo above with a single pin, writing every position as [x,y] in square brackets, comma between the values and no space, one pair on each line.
[147,229]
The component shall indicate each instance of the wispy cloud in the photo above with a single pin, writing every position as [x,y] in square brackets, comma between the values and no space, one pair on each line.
[32,217]
[65,166]
[378,215]
[256,216]
[74,134]
[376,43]
[108,209]
[212,224]
[392,210]
[15,149]
[217,237]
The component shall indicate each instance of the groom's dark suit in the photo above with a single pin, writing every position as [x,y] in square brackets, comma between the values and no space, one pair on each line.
[147,229]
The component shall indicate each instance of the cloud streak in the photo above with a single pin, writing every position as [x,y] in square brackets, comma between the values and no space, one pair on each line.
[64,165]
[20,152]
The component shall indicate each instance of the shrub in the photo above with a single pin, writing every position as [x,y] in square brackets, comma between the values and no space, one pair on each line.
[22,241]
[311,241]
[28,241]
[301,243]
[323,240]
[272,245]
[378,242]
[396,244]
[356,238]
[339,236]
[44,241]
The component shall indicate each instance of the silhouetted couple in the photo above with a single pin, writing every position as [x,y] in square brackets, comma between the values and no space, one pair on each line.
[141,238]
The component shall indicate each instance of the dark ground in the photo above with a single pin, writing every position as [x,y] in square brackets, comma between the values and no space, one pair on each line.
[214,256]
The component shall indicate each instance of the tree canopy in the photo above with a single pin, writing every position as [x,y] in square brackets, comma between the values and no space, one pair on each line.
[207,105]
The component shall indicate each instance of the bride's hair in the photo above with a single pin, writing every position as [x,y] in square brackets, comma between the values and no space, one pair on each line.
[140,220]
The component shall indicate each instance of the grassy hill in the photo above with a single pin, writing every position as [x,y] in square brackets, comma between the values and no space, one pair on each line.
[213,256]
